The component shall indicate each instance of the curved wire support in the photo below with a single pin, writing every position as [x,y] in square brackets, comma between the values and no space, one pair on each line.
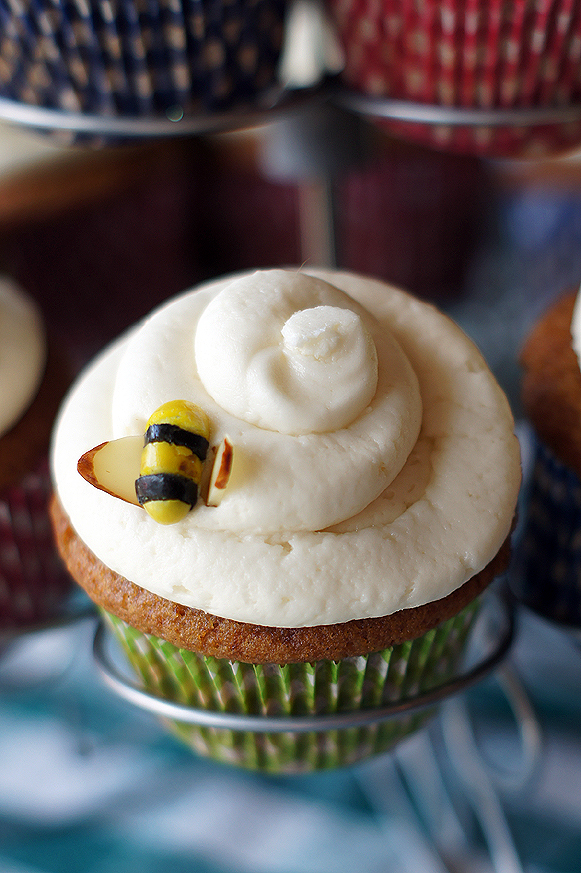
[529,731]
[478,788]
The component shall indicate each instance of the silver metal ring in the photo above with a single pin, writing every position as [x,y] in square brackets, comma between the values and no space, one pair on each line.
[453,116]
[135,694]
[279,102]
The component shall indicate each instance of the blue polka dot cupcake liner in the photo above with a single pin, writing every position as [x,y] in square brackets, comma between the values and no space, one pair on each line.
[323,687]
[546,575]
[140,58]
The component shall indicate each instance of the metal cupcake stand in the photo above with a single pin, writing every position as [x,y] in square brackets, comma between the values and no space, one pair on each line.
[494,635]
[280,102]
[496,627]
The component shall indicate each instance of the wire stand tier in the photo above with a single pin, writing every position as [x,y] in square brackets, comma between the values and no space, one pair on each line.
[454,116]
[279,103]
[493,637]
[282,102]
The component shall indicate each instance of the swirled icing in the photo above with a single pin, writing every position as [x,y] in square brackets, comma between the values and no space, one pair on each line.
[22,352]
[287,352]
[392,502]
[273,488]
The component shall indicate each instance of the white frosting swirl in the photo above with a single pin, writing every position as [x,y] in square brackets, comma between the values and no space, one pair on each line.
[273,487]
[269,361]
[315,527]
[22,352]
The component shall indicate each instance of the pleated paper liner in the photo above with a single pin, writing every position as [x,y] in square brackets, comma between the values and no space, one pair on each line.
[139,58]
[320,688]
[467,54]
[33,581]
[547,565]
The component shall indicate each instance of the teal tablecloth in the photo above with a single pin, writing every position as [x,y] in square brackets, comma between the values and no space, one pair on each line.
[88,783]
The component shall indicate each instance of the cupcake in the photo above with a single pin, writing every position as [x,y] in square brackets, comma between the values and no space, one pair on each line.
[127,59]
[547,577]
[476,56]
[356,498]
[33,581]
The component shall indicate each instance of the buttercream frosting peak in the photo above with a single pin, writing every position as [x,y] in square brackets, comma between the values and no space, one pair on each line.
[304,362]
[321,332]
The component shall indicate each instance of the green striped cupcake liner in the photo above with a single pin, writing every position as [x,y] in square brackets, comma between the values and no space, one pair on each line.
[353,685]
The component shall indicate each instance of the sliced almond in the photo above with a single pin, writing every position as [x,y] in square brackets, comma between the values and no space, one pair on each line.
[221,472]
[113,467]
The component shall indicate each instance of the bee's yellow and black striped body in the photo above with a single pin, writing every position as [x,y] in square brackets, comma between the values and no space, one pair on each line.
[175,447]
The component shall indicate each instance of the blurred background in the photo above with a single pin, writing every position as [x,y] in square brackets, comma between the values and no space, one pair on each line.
[98,237]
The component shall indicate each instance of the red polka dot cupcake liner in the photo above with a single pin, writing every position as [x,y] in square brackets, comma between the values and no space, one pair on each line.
[525,141]
[34,584]
[470,55]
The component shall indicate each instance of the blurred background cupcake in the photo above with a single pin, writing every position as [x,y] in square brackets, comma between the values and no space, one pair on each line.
[547,576]
[134,59]
[33,582]
[466,55]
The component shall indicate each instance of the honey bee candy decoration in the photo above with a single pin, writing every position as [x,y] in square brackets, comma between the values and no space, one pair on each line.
[176,445]
[162,471]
